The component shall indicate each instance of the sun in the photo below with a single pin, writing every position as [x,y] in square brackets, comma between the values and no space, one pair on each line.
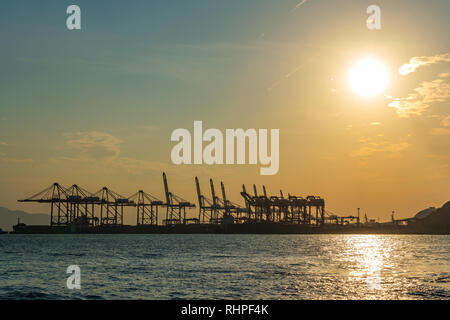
[368,77]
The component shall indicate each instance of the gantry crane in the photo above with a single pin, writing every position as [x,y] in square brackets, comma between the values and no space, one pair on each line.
[205,205]
[56,195]
[112,205]
[231,208]
[176,207]
[147,208]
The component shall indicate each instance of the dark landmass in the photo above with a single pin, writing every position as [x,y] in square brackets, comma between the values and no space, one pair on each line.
[8,218]
[438,220]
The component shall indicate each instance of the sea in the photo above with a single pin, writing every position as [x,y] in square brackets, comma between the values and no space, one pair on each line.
[198,266]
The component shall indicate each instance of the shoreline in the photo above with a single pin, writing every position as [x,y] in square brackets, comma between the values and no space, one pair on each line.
[248,228]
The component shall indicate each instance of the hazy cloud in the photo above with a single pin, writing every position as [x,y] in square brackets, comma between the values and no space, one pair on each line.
[5,158]
[135,165]
[418,101]
[94,144]
[149,127]
[417,62]
[440,131]
[97,146]
[388,149]
[18,160]
[445,129]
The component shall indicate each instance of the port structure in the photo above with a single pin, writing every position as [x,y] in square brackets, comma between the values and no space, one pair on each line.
[281,208]
[216,210]
[258,207]
[111,205]
[56,195]
[208,209]
[147,208]
[317,203]
[176,207]
[334,218]
[75,205]
[80,205]
[298,209]
[278,209]
[67,205]
[232,209]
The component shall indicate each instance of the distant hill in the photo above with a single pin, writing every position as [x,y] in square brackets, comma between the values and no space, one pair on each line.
[440,216]
[425,213]
[8,218]
[437,220]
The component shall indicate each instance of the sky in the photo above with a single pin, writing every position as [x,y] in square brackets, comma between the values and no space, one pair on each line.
[96,107]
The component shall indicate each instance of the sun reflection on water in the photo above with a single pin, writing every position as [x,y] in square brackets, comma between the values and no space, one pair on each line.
[368,254]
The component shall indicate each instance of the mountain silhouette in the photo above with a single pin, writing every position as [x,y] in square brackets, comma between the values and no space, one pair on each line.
[436,221]
[8,218]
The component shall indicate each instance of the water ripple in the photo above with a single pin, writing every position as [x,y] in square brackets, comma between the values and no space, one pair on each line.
[226,266]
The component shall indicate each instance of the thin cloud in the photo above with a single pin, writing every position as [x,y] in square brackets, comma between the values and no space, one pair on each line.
[101,148]
[440,131]
[136,166]
[286,76]
[299,5]
[18,160]
[420,100]
[149,127]
[444,130]
[390,150]
[95,144]
[5,158]
[416,62]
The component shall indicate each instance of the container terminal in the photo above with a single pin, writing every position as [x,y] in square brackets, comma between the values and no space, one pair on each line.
[76,210]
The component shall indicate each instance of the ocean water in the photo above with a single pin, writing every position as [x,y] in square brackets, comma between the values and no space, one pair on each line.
[226,266]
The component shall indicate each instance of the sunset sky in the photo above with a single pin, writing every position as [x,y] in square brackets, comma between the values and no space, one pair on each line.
[97,106]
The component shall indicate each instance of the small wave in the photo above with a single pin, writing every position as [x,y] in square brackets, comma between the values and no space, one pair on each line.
[94,297]
[62,254]
[433,294]
[151,255]
[30,295]
[444,279]
[218,256]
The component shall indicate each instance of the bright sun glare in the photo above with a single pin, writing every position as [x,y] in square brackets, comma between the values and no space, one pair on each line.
[368,78]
